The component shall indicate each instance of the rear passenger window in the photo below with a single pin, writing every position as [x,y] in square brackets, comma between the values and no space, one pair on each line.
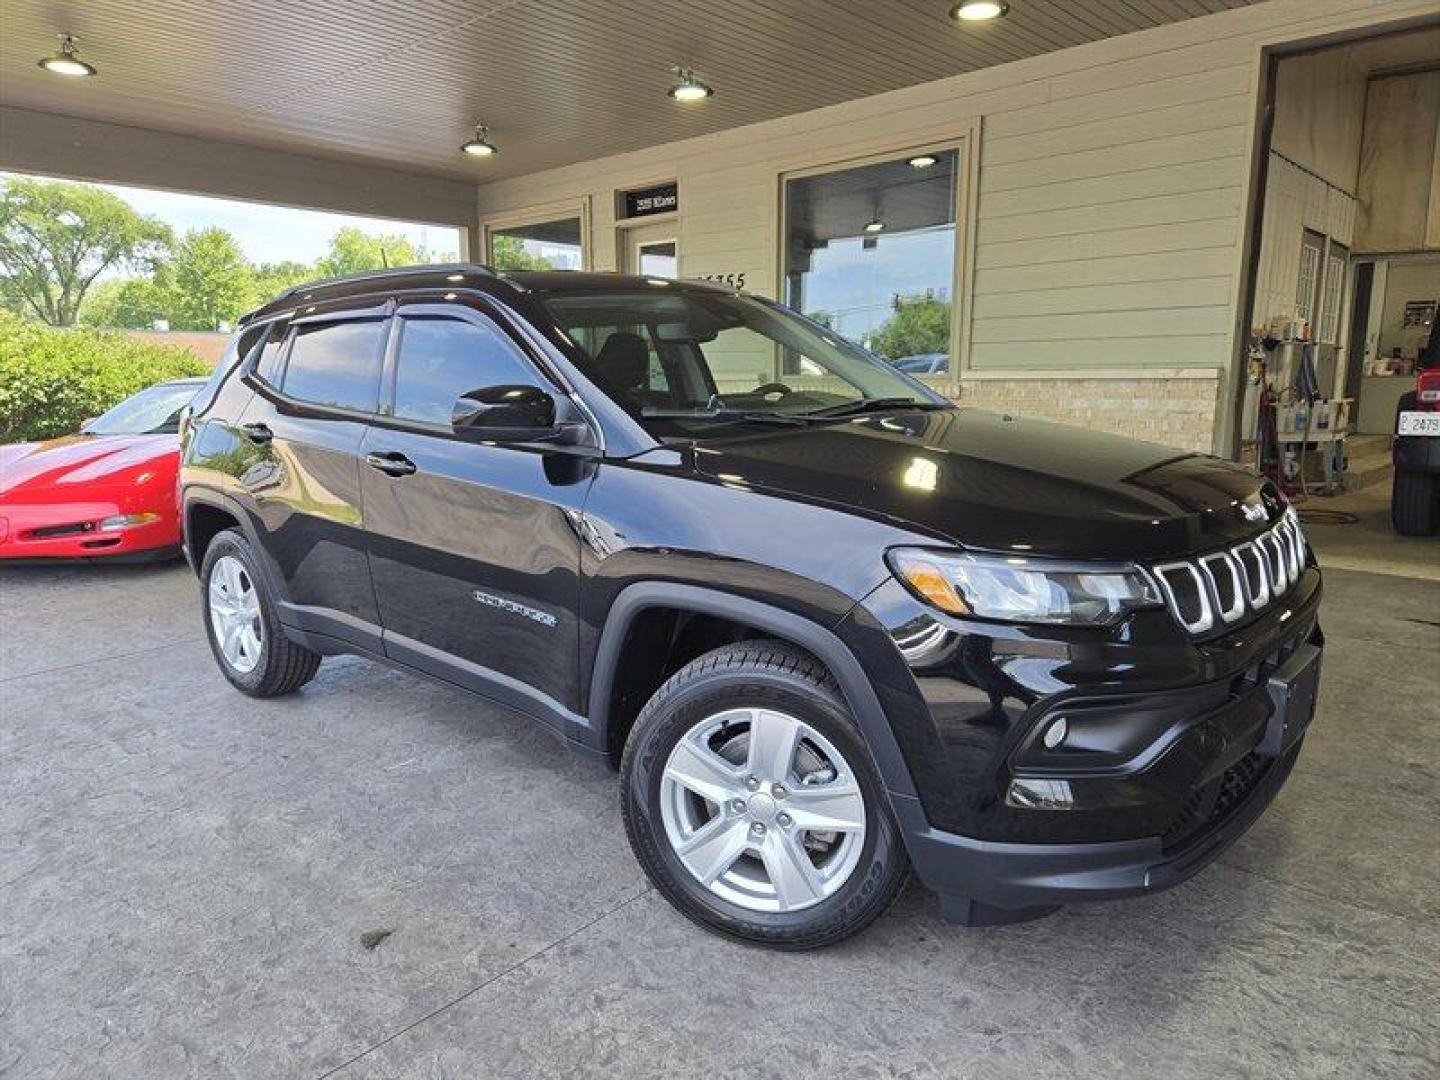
[440,359]
[336,364]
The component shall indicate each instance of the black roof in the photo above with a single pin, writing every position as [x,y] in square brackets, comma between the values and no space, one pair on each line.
[460,275]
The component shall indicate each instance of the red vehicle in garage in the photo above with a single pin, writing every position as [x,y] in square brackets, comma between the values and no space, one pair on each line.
[107,492]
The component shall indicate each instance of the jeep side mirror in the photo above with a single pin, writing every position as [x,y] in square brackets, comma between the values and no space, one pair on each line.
[511,414]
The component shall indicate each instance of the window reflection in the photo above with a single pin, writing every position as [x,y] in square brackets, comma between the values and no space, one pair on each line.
[440,359]
[336,364]
[542,245]
[870,252]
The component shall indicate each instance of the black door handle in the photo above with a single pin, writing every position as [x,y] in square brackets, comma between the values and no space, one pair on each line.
[257,433]
[391,462]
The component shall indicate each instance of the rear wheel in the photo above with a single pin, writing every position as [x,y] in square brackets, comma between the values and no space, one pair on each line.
[750,799]
[1415,503]
[244,630]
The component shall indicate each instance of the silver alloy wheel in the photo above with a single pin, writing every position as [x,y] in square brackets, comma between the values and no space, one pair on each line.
[762,810]
[235,614]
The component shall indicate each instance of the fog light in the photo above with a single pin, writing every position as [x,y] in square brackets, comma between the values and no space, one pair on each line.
[128,521]
[1041,794]
[1055,734]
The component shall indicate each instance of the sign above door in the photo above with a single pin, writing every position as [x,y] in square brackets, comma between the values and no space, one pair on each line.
[646,202]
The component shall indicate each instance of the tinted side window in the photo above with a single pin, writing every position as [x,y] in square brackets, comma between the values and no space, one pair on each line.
[267,366]
[336,364]
[440,359]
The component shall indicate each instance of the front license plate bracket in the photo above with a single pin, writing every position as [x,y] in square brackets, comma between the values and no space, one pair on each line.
[1293,687]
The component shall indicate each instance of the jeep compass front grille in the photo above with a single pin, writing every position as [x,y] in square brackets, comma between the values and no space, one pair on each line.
[1225,587]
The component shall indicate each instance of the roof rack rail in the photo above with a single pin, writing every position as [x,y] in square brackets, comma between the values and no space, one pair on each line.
[391,271]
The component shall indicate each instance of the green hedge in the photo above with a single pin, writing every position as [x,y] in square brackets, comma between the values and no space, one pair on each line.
[51,379]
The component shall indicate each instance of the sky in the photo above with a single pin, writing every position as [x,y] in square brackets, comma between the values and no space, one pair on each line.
[855,285]
[269,234]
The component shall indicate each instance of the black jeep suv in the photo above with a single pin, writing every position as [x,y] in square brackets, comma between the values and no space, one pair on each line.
[828,626]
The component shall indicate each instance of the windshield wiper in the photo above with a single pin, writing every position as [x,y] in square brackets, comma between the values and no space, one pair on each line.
[867,405]
[706,412]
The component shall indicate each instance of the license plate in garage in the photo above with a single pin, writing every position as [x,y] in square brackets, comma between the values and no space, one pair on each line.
[1293,687]
[1419,423]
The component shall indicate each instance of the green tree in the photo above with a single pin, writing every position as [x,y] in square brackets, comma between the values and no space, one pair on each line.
[206,282]
[353,251]
[271,279]
[130,303]
[56,238]
[508,253]
[918,326]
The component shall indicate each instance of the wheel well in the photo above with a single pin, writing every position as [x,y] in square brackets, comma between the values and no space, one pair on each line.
[658,642]
[202,523]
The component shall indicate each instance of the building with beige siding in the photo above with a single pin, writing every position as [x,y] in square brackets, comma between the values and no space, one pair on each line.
[1105,199]
[1113,196]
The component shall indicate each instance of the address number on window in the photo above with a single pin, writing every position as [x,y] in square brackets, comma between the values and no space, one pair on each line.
[1419,423]
[735,281]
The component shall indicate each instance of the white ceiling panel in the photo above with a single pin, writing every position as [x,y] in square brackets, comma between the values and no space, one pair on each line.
[402,82]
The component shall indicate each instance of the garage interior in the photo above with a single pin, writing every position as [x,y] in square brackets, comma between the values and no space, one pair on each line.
[193,883]
[1348,271]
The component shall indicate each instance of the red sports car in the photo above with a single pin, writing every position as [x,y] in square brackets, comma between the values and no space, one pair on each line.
[108,491]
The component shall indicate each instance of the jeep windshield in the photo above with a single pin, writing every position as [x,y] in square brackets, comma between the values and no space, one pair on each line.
[684,361]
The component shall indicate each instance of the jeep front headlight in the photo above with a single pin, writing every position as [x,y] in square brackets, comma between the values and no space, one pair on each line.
[1019,589]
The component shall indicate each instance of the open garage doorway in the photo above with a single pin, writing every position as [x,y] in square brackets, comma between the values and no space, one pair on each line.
[1348,243]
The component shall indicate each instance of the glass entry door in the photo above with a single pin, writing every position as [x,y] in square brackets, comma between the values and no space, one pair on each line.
[652,250]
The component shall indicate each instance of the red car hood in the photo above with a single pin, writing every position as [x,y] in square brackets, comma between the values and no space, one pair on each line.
[77,463]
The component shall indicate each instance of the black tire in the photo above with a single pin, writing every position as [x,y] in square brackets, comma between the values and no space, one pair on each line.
[1415,503]
[284,666]
[776,675]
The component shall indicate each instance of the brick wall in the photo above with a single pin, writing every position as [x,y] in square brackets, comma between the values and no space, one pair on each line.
[207,346]
[1172,407]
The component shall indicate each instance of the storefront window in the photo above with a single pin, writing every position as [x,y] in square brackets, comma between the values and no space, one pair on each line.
[541,245]
[870,253]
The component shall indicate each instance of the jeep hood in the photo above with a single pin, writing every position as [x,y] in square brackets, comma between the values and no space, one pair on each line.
[990,482]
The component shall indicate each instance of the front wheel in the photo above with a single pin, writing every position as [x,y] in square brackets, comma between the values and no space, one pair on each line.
[241,623]
[752,803]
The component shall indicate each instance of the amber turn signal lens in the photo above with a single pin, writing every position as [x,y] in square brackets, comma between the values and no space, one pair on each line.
[930,582]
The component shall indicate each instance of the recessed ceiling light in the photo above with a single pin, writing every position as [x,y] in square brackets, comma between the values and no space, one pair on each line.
[874,225]
[480,145]
[67,61]
[922,161]
[978,10]
[689,88]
